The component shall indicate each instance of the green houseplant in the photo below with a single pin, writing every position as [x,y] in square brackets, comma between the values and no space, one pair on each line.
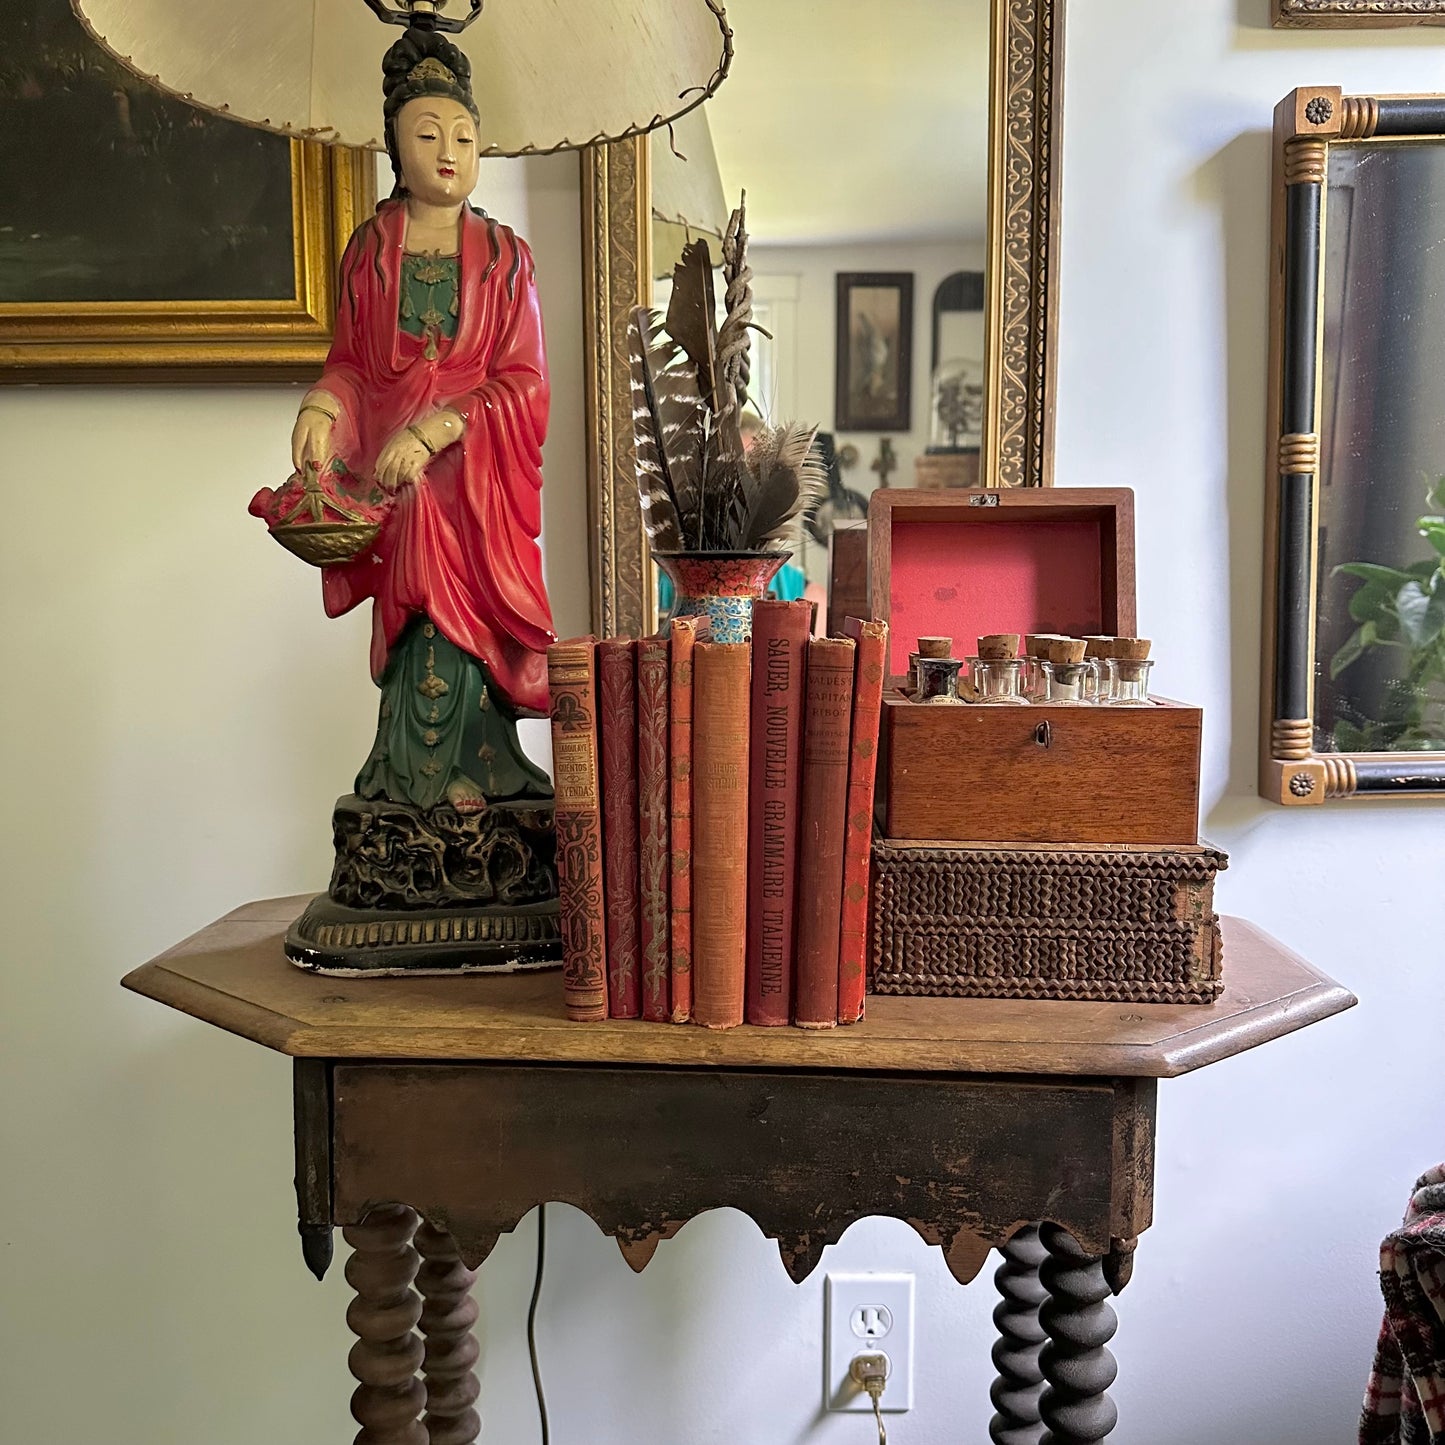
[1402,609]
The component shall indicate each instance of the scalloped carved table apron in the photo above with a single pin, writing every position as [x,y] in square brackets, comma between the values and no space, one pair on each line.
[432,1113]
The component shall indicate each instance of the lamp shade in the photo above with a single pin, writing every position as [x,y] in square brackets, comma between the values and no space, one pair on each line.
[547,74]
[687,191]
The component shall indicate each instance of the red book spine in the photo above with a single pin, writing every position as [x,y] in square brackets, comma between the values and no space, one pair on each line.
[720,832]
[827,720]
[871,640]
[617,713]
[572,680]
[653,841]
[780,651]
[685,633]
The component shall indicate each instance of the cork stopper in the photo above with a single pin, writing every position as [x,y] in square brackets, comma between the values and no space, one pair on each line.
[935,647]
[1099,646]
[1036,644]
[1131,649]
[1065,650]
[997,646]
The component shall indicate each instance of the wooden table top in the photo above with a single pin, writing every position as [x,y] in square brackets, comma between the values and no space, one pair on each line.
[235,975]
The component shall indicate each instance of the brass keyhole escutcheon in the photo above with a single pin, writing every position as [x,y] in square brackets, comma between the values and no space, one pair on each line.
[1044,735]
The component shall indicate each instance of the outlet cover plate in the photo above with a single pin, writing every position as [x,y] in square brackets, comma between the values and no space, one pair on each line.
[864,1312]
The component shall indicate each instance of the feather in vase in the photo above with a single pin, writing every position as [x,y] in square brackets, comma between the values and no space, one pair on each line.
[700,490]
[791,481]
[668,421]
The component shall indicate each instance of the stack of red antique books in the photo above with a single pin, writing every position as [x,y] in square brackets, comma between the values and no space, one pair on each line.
[714,820]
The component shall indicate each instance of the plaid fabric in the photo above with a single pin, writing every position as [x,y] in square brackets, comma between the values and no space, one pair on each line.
[1405,1400]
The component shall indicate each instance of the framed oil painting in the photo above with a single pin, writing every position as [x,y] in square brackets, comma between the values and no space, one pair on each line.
[141,238]
[875,351]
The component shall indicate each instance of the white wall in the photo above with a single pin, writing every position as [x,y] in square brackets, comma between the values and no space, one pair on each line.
[178,718]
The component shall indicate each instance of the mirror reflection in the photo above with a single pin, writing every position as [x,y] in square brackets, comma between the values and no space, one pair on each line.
[1380,632]
[861,137]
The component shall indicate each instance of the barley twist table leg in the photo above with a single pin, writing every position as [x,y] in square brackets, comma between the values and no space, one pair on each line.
[388,1399]
[1079,1322]
[1015,1393]
[447,1321]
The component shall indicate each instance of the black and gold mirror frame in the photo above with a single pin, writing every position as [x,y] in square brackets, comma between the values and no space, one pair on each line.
[1354,677]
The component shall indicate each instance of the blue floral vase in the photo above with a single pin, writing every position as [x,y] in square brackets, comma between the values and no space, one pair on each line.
[721,586]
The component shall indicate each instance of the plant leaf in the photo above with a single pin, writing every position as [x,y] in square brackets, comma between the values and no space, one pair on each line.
[1432,529]
[1348,738]
[1436,495]
[1374,600]
[1359,640]
[1372,572]
[1422,613]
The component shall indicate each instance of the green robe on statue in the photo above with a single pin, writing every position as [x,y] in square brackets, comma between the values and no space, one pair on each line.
[444,734]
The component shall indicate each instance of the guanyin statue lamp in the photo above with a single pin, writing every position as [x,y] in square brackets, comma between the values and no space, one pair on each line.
[416,482]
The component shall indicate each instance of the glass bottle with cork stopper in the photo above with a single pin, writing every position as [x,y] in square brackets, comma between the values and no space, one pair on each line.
[1065,671]
[998,670]
[1129,665]
[935,670]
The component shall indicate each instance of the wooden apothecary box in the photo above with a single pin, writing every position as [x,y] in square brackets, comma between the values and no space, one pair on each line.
[1048,560]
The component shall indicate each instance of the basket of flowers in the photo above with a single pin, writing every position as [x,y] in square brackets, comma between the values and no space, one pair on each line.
[324,515]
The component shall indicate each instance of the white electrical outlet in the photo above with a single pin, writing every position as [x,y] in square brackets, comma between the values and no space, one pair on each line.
[865,1313]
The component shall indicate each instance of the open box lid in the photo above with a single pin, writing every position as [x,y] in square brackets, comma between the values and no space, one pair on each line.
[962,563]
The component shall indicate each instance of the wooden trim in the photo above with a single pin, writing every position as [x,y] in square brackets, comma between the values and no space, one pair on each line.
[1306,123]
[311,1108]
[963,1161]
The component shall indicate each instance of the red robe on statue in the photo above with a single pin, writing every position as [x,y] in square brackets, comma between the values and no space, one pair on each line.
[460,545]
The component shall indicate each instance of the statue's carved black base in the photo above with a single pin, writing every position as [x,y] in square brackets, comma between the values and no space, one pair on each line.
[441,891]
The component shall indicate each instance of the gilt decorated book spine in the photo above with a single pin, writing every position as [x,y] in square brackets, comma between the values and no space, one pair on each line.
[827,720]
[572,680]
[685,633]
[780,649]
[617,712]
[720,831]
[871,641]
[654,844]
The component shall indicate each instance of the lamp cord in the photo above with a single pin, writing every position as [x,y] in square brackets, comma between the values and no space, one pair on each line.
[532,1320]
[870,1372]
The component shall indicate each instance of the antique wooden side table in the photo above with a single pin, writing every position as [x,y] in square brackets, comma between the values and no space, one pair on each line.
[432,1114]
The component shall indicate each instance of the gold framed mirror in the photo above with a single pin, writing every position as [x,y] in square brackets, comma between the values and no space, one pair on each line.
[1354,14]
[1011,234]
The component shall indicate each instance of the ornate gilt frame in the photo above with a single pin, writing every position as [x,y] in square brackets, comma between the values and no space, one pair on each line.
[1354,14]
[1306,123]
[332,191]
[1022,284]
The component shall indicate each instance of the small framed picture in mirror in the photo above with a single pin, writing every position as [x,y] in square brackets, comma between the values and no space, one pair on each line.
[875,351]
[1354,14]
[1354,695]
